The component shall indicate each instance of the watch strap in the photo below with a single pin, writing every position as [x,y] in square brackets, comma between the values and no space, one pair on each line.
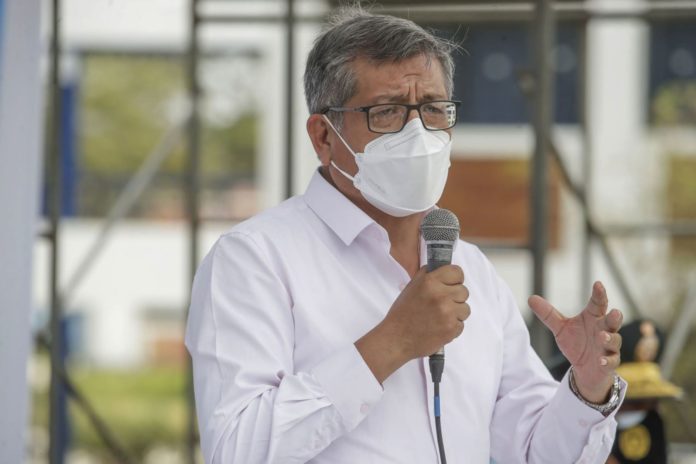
[605,408]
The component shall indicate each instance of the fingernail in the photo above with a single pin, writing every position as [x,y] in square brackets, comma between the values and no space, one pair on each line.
[607,337]
[603,361]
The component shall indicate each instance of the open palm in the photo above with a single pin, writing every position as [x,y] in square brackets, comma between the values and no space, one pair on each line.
[589,340]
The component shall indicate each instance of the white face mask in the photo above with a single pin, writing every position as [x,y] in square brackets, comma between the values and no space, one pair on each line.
[628,419]
[402,173]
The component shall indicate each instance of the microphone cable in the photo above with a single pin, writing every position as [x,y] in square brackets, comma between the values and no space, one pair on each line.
[437,365]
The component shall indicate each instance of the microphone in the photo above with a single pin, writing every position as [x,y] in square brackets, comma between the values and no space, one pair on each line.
[440,230]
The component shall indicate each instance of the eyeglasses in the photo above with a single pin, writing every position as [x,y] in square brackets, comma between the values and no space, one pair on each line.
[388,118]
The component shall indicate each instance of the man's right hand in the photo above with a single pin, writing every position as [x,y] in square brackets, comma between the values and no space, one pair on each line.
[429,313]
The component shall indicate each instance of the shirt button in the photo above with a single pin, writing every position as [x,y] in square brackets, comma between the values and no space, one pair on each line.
[364,408]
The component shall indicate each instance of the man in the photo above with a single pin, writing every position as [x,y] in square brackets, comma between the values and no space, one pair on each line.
[311,323]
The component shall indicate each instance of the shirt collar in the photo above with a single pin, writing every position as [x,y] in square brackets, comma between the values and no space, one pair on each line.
[338,212]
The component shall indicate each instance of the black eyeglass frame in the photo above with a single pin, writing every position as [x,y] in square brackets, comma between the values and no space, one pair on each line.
[409,108]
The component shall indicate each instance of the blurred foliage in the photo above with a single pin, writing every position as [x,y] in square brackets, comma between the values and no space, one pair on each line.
[128,103]
[143,409]
[683,376]
[675,104]
[681,204]
[125,109]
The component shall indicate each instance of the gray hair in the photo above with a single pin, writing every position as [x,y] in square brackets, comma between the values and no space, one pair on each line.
[353,33]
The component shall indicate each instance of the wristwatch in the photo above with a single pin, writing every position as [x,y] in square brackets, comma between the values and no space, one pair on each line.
[606,408]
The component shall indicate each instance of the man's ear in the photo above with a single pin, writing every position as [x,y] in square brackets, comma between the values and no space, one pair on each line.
[319,133]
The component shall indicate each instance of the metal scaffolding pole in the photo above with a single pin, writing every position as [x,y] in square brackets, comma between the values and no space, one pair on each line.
[289,94]
[516,11]
[100,427]
[192,196]
[539,204]
[586,257]
[55,175]
[594,232]
[123,205]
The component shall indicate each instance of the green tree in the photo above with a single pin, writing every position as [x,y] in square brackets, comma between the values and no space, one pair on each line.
[128,103]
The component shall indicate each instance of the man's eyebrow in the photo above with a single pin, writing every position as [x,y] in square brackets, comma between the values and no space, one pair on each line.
[434,96]
[400,98]
[390,98]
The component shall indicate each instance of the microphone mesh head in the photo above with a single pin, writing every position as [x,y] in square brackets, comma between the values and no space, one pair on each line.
[440,225]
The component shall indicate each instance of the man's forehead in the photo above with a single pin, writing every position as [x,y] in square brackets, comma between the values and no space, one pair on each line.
[391,80]
[414,65]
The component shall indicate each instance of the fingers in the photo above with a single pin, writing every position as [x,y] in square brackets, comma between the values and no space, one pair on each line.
[458,307]
[611,342]
[545,311]
[609,363]
[449,275]
[597,306]
[458,329]
[457,325]
[452,320]
[462,312]
[612,321]
[457,310]
[421,272]
[460,294]
[430,311]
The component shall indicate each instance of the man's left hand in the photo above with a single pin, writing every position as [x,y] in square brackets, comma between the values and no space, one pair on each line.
[589,341]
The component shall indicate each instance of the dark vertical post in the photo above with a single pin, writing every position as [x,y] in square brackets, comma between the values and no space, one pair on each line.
[289,89]
[543,116]
[586,188]
[192,202]
[56,449]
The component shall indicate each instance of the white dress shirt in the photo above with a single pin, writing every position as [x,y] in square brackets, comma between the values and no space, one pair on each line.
[276,308]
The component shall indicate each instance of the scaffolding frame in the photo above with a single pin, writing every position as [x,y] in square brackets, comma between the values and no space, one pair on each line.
[544,13]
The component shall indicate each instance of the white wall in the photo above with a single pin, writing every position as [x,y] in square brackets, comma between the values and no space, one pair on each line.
[20,148]
[142,266]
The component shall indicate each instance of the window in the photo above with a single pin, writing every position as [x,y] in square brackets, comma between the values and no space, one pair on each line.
[673,73]
[496,55]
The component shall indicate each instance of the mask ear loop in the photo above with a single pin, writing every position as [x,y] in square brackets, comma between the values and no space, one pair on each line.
[345,174]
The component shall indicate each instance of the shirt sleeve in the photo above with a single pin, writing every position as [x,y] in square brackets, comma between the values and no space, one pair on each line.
[536,419]
[252,406]
[567,416]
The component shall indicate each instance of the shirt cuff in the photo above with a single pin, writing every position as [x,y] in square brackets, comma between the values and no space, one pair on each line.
[349,384]
[565,383]
[575,418]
